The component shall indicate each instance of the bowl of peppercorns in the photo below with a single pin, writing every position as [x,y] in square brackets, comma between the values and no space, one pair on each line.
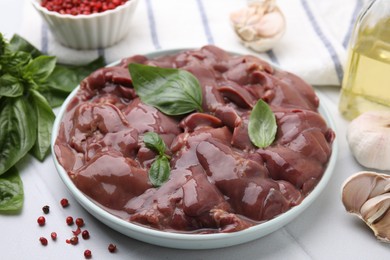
[87,24]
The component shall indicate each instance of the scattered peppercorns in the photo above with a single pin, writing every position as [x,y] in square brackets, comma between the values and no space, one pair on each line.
[64,202]
[111,248]
[74,240]
[76,7]
[46,209]
[41,221]
[69,221]
[43,241]
[79,222]
[53,235]
[87,254]
[85,234]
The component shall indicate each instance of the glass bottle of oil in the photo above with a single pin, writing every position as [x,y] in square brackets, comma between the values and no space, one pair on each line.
[366,82]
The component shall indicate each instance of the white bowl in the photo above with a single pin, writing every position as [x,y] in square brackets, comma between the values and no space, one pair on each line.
[191,241]
[90,31]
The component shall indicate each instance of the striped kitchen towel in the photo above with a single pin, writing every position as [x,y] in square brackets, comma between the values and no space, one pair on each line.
[313,46]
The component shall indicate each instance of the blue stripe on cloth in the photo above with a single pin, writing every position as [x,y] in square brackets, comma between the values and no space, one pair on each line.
[205,22]
[331,50]
[272,56]
[356,11]
[44,38]
[152,25]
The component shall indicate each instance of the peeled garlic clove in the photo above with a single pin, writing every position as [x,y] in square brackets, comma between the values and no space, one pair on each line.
[367,194]
[260,25]
[368,137]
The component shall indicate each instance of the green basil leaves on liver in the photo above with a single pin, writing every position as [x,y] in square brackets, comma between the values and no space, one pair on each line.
[177,92]
[262,125]
[172,91]
[160,169]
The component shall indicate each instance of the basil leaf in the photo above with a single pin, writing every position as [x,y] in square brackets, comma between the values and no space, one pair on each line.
[11,191]
[3,45]
[53,96]
[10,86]
[45,118]
[67,77]
[159,171]
[154,142]
[262,125]
[18,43]
[40,68]
[15,62]
[18,131]
[172,91]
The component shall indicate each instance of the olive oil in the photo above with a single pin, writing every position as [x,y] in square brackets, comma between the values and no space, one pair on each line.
[366,82]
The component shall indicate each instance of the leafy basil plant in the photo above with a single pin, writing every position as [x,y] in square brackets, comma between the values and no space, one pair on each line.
[31,85]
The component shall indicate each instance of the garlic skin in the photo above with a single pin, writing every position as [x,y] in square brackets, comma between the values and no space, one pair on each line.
[367,195]
[368,137]
[260,25]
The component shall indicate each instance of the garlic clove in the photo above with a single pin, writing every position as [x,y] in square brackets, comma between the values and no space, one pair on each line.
[239,17]
[368,137]
[247,33]
[367,194]
[382,228]
[253,20]
[357,190]
[261,45]
[270,25]
[260,25]
[374,209]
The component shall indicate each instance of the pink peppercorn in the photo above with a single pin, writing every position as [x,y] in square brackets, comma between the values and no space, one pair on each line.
[85,234]
[87,254]
[41,221]
[77,7]
[79,222]
[112,248]
[64,203]
[53,235]
[43,241]
[69,220]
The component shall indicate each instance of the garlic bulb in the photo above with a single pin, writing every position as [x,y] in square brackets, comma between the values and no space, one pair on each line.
[368,137]
[260,25]
[367,194]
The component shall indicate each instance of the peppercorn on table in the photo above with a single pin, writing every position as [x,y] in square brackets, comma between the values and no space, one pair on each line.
[313,47]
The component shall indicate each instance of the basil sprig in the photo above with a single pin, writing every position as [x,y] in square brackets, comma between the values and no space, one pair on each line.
[172,91]
[31,85]
[160,169]
[11,195]
[262,125]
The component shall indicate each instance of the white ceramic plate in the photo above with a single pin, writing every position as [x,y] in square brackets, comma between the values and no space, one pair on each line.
[192,241]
